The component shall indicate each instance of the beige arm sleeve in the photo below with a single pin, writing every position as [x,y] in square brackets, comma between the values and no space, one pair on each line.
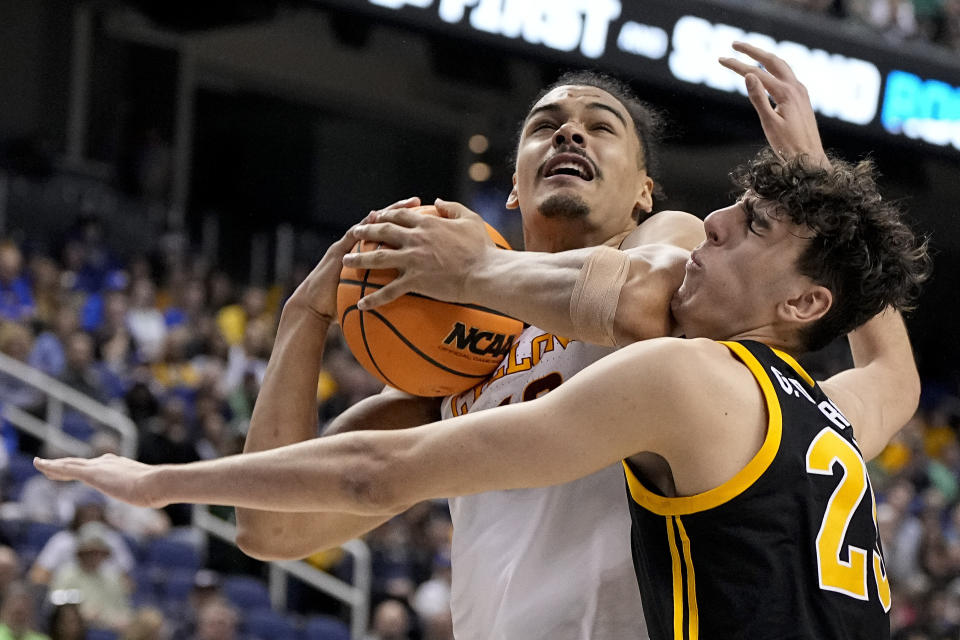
[596,294]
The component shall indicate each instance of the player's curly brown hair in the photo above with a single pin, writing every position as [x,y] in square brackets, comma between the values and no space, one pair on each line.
[862,250]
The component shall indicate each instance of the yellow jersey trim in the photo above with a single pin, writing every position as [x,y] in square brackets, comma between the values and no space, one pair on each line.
[743,479]
[790,360]
[691,582]
[677,582]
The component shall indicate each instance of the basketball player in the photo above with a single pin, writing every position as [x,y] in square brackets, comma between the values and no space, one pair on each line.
[513,552]
[753,515]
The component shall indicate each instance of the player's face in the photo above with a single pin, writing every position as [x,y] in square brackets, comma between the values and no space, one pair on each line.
[738,281]
[578,170]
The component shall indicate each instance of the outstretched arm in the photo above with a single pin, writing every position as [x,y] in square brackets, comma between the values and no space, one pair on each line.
[536,443]
[882,392]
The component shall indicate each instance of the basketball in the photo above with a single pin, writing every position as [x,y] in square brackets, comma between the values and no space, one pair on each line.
[418,344]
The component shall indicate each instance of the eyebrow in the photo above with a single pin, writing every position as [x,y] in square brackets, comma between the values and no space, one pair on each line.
[555,108]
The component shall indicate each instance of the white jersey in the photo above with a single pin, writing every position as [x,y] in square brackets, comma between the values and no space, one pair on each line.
[553,562]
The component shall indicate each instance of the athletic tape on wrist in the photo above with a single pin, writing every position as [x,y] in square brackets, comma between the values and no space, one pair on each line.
[593,305]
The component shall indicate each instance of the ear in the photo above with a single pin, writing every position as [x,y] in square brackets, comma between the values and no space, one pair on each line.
[644,201]
[809,306]
[513,201]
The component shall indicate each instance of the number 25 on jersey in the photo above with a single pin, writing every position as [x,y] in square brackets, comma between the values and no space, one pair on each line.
[847,577]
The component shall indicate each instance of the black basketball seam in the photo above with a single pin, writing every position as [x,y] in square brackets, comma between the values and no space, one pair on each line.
[363,334]
[462,305]
[414,348]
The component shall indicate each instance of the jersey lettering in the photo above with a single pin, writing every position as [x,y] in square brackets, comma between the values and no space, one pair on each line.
[849,576]
[830,411]
[512,364]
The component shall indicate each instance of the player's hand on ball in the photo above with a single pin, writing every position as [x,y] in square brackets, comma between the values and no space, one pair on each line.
[318,291]
[433,255]
[790,126]
[118,477]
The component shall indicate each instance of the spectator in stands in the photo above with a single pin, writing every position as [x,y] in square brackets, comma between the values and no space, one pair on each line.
[145,321]
[390,621]
[205,590]
[218,620]
[10,569]
[168,440]
[174,369]
[16,298]
[62,547]
[80,371]
[431,601]
[147,624]
[16,341]
[105,602]
[233,319]
[48,294]
[18,615]
[248,357]
[951,18]
[49,353]
[65,622]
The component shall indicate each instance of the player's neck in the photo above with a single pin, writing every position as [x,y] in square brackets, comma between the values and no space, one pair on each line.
[573,234]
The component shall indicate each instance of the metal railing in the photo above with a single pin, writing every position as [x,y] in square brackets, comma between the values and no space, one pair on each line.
[356,595]
[50,430]
[58,397]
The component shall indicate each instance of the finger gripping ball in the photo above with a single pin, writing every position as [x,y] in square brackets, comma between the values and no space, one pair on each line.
[418,344]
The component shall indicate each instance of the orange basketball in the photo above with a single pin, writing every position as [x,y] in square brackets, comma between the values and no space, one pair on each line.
[418,344]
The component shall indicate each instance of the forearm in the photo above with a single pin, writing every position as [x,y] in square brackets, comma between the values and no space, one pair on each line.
[883,344]
[286,407]
[531,286]
[286,413]
[322,474]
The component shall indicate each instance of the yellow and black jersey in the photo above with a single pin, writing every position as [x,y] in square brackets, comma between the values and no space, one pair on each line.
[787,549]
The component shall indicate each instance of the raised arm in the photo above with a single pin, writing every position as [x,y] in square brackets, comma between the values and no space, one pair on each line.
[286,413]
[881,393]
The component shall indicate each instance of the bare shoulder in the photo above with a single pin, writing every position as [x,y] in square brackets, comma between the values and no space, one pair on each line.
[678,228]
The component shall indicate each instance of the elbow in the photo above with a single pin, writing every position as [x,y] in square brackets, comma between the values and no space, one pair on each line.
[374,483]
[911,392]
[265,545]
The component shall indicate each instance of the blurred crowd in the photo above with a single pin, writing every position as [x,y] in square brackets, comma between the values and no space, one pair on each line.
[935,21]
[181,348]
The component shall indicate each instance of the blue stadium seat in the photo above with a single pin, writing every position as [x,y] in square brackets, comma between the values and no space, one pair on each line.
[177,584]
[246,593]
[38,533]
[77,425]
[326,628]
[102,634]
[166,553]
[267,623]
[20,470]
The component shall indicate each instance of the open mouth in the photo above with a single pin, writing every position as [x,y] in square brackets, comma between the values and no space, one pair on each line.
[569,164]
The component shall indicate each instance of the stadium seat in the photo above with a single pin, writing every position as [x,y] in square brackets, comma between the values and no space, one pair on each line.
[326,628]
[20,470]
[38,533]
[165,554]
[267,623]
[77,425]
[246,593]
[102,634]
[177,584]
